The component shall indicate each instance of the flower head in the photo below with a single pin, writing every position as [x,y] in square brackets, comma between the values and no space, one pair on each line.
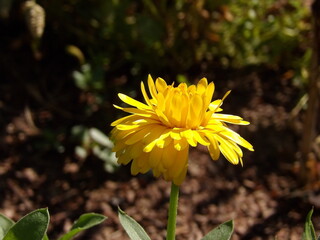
[158,133]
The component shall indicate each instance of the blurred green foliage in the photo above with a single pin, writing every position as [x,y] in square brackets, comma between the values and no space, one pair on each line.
[116,43]
[165,37]
[262,32]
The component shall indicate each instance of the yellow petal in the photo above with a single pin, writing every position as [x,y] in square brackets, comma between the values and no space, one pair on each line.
[118,146]
[180,163]
[138,135]
[159,133]
[163,143]
[202,85]
[156,172]
[207,117]
[145,95]
[169,156]
[155,157]
[237,149]
[184,109]
[175,135]
[180,144]
[226,95]
[130,101]
[192,89]
[194,115]
[143,163]
[124,159]
[152,87]
[213,148]
[189,136]
[161,85]
[227,150]
[208,94]
[143,113]
[221,101]
[180,178]
[134,167]
[237,138]
[213,106]
[163,118]
[130,117]
[214,125]
[199,137]
[229,118]
[125,127]
[175,108]
[135,150]
[183,87]
[119,136]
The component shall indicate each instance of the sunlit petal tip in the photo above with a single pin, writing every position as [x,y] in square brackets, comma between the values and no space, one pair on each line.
[175,135]
[161,84]
[114,123]
[226,95]
[124,127]
[121,95]
[161,144]
[177,147]
[118,107]
[118,121]
[241,162]
[211,83]
[246,144]
[149,147]
[203,81]
[125,98]
[234,161]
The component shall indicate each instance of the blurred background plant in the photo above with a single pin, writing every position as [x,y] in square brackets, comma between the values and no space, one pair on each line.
[62,63]
[141,36]
[112,45]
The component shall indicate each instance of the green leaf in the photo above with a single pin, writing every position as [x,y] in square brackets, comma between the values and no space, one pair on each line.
[5,225]
[45,237]
[33,226]
[84,222]
[309,232]
[222,232]
[133,229]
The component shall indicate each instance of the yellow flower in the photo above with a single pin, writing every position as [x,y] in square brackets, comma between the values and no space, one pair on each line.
[158,133]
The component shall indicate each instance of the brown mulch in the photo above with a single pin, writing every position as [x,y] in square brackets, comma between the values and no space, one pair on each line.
[264,197]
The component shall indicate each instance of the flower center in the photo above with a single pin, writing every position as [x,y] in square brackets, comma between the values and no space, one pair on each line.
[182,107]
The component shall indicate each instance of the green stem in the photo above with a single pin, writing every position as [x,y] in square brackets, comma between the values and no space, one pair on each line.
[173,208]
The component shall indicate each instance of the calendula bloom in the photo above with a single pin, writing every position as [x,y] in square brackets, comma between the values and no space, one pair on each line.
[158,133]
